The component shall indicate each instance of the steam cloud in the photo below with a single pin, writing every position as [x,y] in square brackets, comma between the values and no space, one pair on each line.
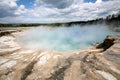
[65,39]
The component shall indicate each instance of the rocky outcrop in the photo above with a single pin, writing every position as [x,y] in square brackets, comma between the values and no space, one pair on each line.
[108,42]
[113,53]
[20,63]
[6,32]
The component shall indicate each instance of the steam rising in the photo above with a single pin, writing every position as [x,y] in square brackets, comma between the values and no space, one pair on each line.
[65,39]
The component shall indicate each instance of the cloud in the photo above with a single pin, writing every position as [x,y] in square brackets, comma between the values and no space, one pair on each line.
[10,8]
[98,1]
[47,11]
[76,11]
[64,38]
[12,19]
[55,3]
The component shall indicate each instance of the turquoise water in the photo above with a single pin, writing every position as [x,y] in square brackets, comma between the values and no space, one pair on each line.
[65,39]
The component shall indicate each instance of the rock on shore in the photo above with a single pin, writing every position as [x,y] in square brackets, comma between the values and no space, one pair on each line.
[19,63]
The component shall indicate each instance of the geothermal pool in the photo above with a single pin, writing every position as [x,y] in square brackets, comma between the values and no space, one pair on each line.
[64,39]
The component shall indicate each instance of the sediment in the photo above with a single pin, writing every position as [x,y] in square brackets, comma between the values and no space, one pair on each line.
[20,63]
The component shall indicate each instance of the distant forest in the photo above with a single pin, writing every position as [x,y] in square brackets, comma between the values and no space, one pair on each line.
[112,20]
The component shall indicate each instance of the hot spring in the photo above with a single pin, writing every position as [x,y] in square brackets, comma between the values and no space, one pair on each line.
[65,39]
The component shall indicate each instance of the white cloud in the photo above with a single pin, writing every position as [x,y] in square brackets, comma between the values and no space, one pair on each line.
[10,8]
[98,1]
[11,19]
[77,11]
[20,10]
[58,10]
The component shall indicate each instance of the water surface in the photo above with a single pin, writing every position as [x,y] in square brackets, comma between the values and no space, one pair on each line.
[65,39]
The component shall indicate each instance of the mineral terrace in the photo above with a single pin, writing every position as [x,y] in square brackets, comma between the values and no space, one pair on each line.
[20,63]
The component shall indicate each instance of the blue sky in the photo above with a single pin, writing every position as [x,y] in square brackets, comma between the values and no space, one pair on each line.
[27,3]
[92,0]
[89,0]
[49,11]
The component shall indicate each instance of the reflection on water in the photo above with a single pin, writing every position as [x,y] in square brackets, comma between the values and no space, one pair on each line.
[64,39]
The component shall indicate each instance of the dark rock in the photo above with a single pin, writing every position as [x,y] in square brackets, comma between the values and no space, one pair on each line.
[6,32]
[108,42]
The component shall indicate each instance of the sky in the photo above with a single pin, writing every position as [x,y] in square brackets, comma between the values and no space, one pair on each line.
[51,11]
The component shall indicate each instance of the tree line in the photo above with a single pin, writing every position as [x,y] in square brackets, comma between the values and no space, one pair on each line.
[111,19]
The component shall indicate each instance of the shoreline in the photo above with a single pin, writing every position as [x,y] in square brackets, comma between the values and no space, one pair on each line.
[19,32]
[20,63]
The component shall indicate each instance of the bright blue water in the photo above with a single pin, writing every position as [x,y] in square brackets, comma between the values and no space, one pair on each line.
[65,39]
